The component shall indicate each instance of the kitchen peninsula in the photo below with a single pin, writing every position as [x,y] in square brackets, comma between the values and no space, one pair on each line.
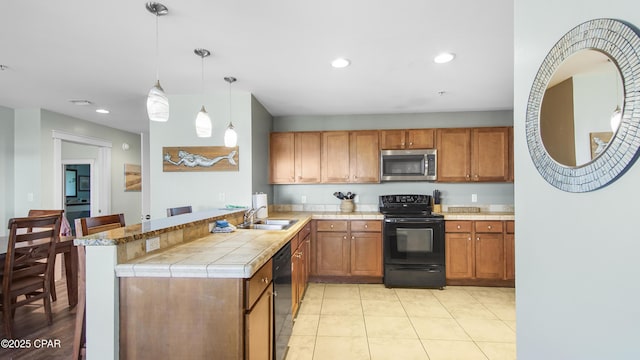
[191,294]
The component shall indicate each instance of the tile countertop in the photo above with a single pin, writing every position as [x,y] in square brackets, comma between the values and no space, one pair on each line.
[241,253]
[227,255]
[488,215]
[152,227]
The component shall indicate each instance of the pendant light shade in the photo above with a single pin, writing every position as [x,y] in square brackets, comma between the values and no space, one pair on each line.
[230,135]
[157,101]
[616,118]
[203,121]
[157,104]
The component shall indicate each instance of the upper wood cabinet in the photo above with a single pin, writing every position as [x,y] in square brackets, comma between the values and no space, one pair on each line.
[294,157]
[407,139]
[473,154]
[350,157]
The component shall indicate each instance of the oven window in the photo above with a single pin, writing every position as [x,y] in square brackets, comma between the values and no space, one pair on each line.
[414,241]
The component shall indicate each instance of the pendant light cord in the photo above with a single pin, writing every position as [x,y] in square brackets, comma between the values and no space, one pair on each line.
[157,50]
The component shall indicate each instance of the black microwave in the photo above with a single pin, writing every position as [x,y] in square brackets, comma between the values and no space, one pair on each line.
[408,165]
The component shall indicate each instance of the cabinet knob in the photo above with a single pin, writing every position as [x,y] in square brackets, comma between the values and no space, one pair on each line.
[459,227]
[489,227]
[366,226]
[353,237]
[410,143]
[402,144]
[469,238]
[478,238]
[265,280]
[331,226]
[467,176]
[344,237]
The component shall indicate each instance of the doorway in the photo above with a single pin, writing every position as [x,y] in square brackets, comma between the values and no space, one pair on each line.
[77,191]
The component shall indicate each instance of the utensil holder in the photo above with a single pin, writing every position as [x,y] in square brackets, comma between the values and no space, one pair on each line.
[437,208]
[347,205]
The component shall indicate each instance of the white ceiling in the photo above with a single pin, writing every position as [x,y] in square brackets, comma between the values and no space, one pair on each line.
[279,50]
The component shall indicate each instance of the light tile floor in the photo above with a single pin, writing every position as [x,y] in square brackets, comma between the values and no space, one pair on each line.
[350,321]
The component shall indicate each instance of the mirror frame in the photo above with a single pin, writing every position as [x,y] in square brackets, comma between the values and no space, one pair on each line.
[621,43]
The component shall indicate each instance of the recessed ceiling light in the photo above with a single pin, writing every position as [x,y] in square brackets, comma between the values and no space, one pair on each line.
[444,58]
[340,63]
[102,111]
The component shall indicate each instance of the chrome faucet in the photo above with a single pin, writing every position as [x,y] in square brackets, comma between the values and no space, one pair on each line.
[250,214]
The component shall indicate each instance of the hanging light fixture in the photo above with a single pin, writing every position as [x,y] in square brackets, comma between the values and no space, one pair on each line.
[230,135]
[157,101]
[203,121]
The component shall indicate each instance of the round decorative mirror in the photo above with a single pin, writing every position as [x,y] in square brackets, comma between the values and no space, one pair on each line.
[583,111]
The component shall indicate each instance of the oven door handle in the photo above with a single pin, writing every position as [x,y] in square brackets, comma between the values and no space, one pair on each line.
[431,269]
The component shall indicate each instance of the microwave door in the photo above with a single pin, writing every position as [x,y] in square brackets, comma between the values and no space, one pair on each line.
[405,166]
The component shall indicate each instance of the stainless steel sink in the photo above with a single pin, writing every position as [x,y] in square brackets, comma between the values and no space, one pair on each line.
[269,224]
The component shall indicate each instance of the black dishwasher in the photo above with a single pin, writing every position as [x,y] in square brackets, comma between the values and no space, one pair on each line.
[282,322]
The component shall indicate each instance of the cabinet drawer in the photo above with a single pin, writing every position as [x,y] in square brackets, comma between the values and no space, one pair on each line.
[295,242]
[366,225]
[306,230]
[257,283]
[332,225]
[457,226]
[489,226]
[511,227]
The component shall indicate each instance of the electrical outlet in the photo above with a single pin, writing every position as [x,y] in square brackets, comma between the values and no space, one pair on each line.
[303,199]
[474,197]
[153,244]
[221,196]
[29,196]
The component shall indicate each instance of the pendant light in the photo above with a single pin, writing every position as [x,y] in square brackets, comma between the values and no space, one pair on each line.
[157,101]
[203,121]
[230,135]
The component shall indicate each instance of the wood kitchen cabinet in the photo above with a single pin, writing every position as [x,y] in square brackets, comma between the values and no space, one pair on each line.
[478,253]
[294,157]
[407,139]
[300,265]
[210,318]
[350,157]
[473,154]
[510,251]
[345,248]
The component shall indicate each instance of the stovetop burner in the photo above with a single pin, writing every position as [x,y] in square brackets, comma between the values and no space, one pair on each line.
[405,204]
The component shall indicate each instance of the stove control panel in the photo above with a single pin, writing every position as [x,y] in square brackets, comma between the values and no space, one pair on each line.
[386,200]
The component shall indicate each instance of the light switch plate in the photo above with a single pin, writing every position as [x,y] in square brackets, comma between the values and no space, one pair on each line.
[474,197]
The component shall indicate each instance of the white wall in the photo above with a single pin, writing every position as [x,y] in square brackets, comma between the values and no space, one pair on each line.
[6,168]
[33,168]
[577,287]
[202,190]
[453,194]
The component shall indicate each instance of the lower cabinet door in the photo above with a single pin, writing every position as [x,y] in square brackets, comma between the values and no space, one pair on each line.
[459,255]
[259,328]
[489,256]
[332,253]
[366,254]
